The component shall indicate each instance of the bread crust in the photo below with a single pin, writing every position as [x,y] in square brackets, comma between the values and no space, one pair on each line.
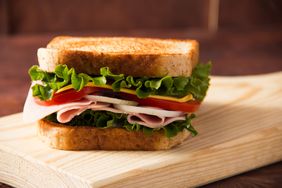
[130,56]
[90,138]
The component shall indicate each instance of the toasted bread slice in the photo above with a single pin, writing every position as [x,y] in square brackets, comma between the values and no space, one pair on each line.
[130,56]
[90,138]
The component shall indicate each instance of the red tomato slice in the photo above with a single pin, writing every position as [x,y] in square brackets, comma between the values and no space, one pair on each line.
[68,96]
[190,106]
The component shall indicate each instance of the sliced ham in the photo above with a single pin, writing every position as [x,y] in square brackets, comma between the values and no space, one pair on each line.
[65,115]
[152,121]
[68,113]
[33,112]
[109,109]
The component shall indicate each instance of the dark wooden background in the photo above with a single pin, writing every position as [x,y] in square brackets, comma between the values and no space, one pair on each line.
[33,16]
[240,36]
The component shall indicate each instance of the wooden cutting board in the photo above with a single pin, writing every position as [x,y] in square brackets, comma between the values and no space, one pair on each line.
[240,126]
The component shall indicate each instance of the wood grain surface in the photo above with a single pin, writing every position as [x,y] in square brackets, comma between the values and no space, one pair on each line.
[237,134]
[234,52]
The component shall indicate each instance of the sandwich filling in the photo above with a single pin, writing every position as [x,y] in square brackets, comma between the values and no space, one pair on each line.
[114,100]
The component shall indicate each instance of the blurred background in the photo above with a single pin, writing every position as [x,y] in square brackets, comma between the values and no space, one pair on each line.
[240,36]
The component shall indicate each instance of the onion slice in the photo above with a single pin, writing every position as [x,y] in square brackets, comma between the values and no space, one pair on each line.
[148,110]
[110,100]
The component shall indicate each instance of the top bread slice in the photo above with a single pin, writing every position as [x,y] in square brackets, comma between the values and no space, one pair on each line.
[130,56]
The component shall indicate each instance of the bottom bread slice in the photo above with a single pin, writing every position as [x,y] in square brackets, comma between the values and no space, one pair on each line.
[90,138]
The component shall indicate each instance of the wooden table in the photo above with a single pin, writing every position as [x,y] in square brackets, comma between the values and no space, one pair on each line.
[233,53]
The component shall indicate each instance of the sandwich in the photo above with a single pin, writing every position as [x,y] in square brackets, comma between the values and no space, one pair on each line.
[116,93]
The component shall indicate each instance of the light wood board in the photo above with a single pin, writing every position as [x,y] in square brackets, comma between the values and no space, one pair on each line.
[239,125]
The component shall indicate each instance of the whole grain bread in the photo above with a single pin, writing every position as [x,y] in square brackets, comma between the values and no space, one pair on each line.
[90,138]
[130,56]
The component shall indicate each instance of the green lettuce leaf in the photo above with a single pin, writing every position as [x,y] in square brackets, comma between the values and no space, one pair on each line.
[173,128]
[105,71]
[197,84]
[104,119]
[62,76]
[199,81]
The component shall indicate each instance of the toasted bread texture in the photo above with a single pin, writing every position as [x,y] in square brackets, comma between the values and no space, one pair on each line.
[130,56]
[90,138]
